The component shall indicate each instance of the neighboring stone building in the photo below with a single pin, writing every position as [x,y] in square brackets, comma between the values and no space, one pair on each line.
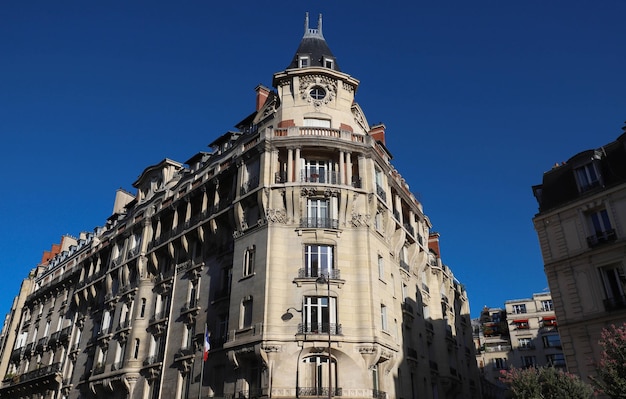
[294,241]
[534,334]
[580,225]
[523,334]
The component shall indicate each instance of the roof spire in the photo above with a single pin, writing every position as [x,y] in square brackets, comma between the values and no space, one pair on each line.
[310,32]
[319,25]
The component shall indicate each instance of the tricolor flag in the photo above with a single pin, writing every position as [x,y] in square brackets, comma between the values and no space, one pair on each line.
[207,345]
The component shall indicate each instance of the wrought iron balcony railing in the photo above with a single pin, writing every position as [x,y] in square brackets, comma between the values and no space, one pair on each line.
[308,273]
[319,223]
[601,238]
[319,328]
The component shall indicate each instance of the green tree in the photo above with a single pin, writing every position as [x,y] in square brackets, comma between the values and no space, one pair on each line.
[611,371]
[545,383]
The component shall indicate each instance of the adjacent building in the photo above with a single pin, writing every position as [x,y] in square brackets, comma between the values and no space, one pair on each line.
[580,226]
[522,334]
[293,249]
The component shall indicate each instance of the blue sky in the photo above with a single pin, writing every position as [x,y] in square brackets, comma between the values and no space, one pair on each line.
[479,99]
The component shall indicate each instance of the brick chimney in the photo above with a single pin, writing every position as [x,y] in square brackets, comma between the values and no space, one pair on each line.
[378,132]
[262,93]
[433,243]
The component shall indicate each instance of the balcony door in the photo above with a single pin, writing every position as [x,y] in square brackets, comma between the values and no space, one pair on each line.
[314,376]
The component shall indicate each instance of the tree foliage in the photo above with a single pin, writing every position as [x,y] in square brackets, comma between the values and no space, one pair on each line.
[611,371]
[545,383]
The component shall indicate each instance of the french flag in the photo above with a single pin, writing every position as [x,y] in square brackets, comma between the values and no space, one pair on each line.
[207,345]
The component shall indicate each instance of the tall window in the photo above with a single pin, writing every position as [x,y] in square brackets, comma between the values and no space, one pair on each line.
[248,261]
[378,222]
[142,311]
[520,308]
[314,376]
[317,317]
[381,268]
[601,229]
[318,171]
[136,350]
[246,313]
[587,177]
[318,260]
[383,317]
[614,282]
[525,343]
[318,214]
[546,305]
[379,178]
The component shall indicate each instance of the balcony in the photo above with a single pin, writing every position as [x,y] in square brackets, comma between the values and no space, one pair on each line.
[158,317]
[308,273]
[615,303]
[151,360]
[319,328]
[319,223]
[124,324]
[41,344]
[318,391]
[40,373]
[327,177]
[602,237]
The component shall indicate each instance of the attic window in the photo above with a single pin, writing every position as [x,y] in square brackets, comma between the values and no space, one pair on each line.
[303,62]
[328,63]
[587,177]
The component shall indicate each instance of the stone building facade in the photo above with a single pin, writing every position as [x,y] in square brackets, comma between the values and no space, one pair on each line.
[293,245]
[522,334]
[581,229]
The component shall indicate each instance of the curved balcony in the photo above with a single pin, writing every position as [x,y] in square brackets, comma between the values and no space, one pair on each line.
[319,223]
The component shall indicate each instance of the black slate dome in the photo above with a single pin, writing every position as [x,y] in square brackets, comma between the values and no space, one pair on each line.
[313,50]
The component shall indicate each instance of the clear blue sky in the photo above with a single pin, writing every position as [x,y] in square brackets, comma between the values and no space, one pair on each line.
[479,98]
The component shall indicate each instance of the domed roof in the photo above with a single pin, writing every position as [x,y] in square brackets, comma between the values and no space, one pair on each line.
[313,50]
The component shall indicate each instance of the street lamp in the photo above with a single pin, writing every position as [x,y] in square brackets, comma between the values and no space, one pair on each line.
[321,280]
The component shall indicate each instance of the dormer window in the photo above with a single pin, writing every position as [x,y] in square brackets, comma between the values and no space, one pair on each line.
[587,177]
[303,62]
[328,63]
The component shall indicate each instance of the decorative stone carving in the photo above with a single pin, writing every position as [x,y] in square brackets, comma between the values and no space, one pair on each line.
[359,220]
[307,191]
[276,216]
[327,83]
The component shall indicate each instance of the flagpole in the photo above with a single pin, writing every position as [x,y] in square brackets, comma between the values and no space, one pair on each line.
[202,368]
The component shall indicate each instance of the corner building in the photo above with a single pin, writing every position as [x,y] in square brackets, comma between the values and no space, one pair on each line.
[294,241]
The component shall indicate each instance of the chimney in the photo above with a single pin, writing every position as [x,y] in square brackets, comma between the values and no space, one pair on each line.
[433,243]
[378,132]
[262,93]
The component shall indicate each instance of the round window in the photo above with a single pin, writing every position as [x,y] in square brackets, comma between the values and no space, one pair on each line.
[317,93]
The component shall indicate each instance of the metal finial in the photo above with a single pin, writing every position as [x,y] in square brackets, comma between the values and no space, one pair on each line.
[306,22]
